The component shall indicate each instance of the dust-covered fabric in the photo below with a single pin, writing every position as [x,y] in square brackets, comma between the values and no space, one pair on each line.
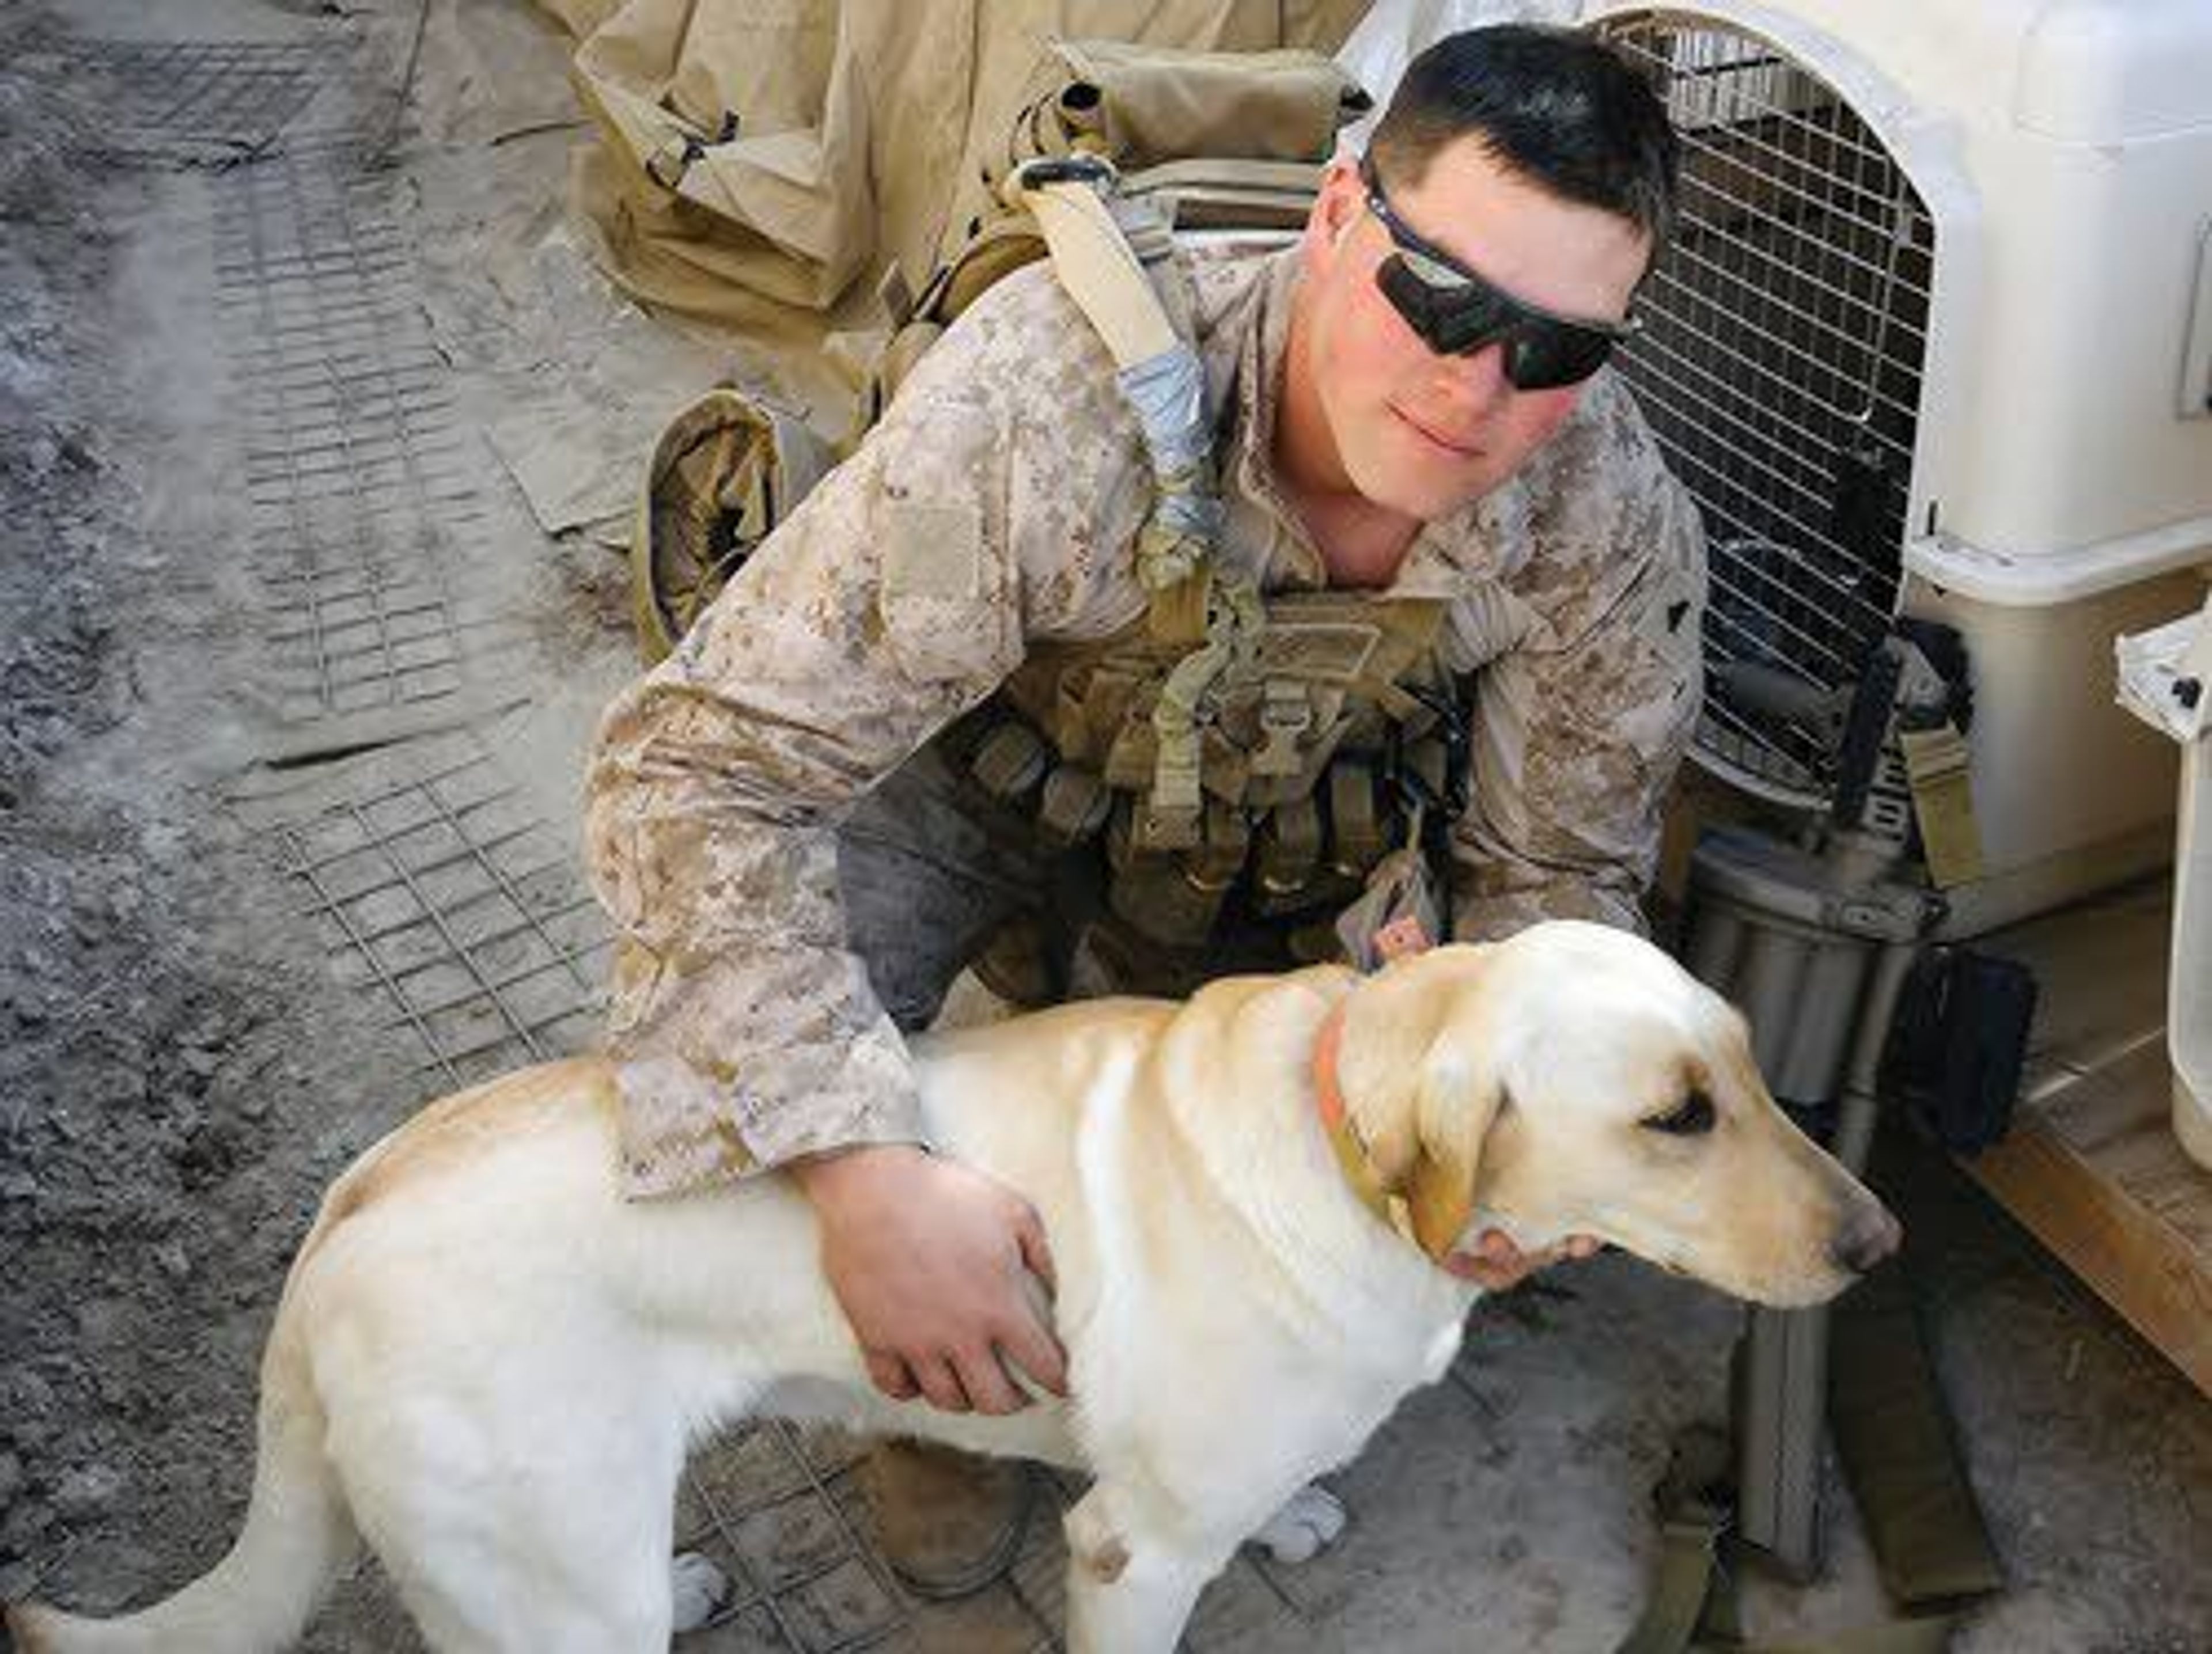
[761,155]
[993,506]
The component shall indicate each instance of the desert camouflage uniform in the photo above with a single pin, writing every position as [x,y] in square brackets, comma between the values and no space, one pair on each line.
[997,502]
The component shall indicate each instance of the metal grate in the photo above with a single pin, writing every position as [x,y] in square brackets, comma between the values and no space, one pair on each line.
[777,1507]
[184,103]
[357,471]
[761,1504]
[459,911]
[1780,368]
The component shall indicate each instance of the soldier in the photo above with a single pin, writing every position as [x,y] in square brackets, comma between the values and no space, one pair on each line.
[1409,412]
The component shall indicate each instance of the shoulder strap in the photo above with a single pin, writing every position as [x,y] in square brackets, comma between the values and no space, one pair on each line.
[1092,257]
[1158,371]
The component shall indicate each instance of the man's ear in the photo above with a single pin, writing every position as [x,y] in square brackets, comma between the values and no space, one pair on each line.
[1335,211]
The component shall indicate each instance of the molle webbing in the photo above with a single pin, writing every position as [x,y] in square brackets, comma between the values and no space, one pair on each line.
[1303,752]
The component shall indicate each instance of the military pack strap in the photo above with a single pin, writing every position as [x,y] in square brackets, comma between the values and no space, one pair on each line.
[1693,1610]
[1092,255]
[1164,382]
[1209,193]
[1899,1448]
[1894,1434]
[1158,370]
[1171,816]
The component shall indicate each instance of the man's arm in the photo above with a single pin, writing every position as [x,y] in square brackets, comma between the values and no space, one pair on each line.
[746,1034]
[1579,730]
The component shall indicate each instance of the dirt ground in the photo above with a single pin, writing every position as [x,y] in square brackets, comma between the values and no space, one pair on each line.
[295,676]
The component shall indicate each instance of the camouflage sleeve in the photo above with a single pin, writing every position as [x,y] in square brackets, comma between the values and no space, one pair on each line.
[745,1033]
[1580,728]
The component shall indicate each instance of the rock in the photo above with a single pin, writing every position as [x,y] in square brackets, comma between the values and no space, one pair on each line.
[117,1087]
[87,1491]
[103,1322]
[12,1478]
[175,1262]
[26,1520]
[26,1410]
[31,1433]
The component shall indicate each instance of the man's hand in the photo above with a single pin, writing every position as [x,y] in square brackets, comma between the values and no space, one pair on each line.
[927,1256]
[1496,1264]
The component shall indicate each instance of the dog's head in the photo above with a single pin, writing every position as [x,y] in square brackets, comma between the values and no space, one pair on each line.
[1576,1080]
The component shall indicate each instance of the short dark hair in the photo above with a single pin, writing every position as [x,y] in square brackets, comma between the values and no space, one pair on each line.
[1555,107]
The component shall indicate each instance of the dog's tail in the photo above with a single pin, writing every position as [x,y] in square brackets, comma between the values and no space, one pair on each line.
[257,1600]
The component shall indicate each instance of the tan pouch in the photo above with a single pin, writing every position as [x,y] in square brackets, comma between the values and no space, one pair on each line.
[1147,105]
[725,472]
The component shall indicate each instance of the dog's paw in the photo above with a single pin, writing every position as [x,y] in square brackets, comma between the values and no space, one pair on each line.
[1307,1525]
[699,1589]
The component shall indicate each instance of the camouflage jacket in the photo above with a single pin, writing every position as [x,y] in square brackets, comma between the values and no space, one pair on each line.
[996,502]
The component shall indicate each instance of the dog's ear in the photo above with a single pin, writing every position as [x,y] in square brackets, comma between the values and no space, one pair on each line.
[1419,1079]
[1457,1111]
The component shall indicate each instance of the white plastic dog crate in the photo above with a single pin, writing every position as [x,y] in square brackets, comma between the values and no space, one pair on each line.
[1933,338]
[1936,337]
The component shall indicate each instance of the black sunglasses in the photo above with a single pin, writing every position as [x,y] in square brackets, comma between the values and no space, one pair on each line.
[1456,311]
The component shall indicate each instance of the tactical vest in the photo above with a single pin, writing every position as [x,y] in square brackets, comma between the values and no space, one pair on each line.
[1335,739]
[1266,750]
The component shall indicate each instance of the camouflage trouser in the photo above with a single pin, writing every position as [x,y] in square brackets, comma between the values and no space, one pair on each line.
[930,877]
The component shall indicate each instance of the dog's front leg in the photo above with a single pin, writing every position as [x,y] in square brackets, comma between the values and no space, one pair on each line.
[1130,1587]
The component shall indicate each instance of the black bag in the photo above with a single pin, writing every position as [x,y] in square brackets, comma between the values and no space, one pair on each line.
[1958,1044]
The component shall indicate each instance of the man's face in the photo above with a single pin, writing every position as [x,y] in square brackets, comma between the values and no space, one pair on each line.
[1412,431]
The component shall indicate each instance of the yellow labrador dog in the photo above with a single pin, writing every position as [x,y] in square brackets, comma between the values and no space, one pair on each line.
[488,1366]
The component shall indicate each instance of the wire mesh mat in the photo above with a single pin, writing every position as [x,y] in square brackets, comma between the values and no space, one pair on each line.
[1780,368]
[442,896]
[777,1507]
[769,1506]
[358,472]
[183,103]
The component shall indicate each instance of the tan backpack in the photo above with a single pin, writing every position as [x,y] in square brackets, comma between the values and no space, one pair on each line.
[1122,148]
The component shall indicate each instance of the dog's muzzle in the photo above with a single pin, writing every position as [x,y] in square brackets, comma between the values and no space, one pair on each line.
[1867,1237]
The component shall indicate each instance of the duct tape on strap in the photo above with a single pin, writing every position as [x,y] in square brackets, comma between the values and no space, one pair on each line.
[1167,392]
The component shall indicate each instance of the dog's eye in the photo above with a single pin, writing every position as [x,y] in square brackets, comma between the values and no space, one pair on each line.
[1694,1116]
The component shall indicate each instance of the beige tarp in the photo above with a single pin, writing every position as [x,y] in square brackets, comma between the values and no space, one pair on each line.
[581,17]
[804,144]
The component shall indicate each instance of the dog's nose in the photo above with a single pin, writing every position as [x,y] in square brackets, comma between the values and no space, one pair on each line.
[1867,1237]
